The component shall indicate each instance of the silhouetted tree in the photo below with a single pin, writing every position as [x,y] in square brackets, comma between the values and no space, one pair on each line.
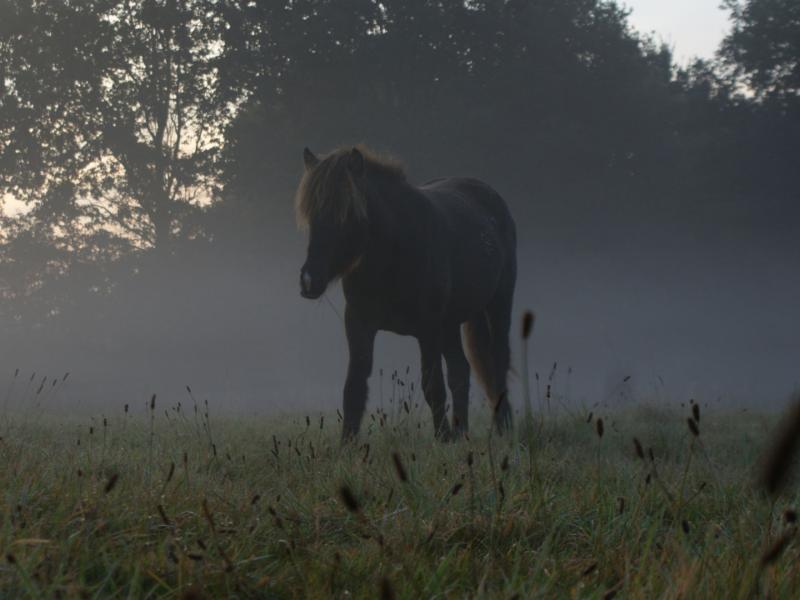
[764,47]
[761,60]
[539,95]
[108,118]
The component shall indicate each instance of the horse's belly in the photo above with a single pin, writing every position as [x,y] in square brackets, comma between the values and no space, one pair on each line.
[473,284]
[465,304]
[399,313]
[400,328]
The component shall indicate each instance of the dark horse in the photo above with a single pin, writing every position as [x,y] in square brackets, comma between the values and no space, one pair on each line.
[417,261]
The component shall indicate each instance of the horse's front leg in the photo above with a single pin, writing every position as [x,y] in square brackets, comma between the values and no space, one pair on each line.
[360,343]
[433,383]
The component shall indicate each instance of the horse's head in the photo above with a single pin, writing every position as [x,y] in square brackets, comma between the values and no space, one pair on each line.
[331,203]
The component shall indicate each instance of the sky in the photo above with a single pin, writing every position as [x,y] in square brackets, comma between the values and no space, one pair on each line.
[693,28]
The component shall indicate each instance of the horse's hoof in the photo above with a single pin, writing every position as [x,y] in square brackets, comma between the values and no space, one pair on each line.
[348,438]
[444,434]
[458,435]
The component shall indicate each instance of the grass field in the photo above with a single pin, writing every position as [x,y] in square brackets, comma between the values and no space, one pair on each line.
[173,502]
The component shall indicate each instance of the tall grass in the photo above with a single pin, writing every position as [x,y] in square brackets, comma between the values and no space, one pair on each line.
[276,508]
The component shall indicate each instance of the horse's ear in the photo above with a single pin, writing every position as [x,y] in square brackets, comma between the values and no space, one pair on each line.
[356,163]
[309,159]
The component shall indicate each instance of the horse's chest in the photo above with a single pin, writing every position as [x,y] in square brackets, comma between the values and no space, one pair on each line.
[401,315]
[405,311]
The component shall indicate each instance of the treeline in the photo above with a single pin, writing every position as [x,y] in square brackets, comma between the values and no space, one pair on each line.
[155,141]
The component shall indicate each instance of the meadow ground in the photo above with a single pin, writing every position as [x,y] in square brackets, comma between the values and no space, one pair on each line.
[172,502]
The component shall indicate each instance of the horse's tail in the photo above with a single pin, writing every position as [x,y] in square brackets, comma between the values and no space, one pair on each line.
[486,347]
[478,348]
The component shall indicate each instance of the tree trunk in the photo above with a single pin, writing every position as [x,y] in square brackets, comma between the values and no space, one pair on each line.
[162,231]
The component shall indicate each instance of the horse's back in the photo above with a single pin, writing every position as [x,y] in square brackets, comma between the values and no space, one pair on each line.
[471,206]
[480,238]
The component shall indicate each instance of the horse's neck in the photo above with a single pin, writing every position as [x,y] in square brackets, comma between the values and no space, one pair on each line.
[399,241]
[400,217]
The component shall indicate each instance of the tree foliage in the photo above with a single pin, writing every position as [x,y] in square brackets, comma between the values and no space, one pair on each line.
[551,87]
[764,47]
[108,117]
[119,119]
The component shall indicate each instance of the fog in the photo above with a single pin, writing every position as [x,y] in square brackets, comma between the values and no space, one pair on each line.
[656,208]
[685,307]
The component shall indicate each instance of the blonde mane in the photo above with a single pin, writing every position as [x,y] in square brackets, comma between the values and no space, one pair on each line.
[331,187]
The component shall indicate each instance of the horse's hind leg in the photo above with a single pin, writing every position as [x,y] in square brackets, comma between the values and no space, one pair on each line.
[499,316]
[433,383]
[457,378]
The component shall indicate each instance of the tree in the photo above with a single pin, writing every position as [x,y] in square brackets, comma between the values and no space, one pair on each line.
[762,59]
[763,47]
[550,97]
[108,118]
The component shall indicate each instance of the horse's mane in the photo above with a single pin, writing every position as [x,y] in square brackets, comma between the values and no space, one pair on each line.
[330,185]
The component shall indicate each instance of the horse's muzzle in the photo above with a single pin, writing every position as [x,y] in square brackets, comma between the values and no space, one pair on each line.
[309,287]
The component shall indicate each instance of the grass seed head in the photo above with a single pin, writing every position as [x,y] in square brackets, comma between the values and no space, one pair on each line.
[399,468]
[163,514]
[779,457]
[527,324]
[111,483]
[349,499]
[209,517]
[387,591]
[774,552]
[638,447]
[276,518]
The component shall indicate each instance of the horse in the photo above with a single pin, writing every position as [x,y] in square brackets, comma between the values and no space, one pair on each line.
[423,261]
